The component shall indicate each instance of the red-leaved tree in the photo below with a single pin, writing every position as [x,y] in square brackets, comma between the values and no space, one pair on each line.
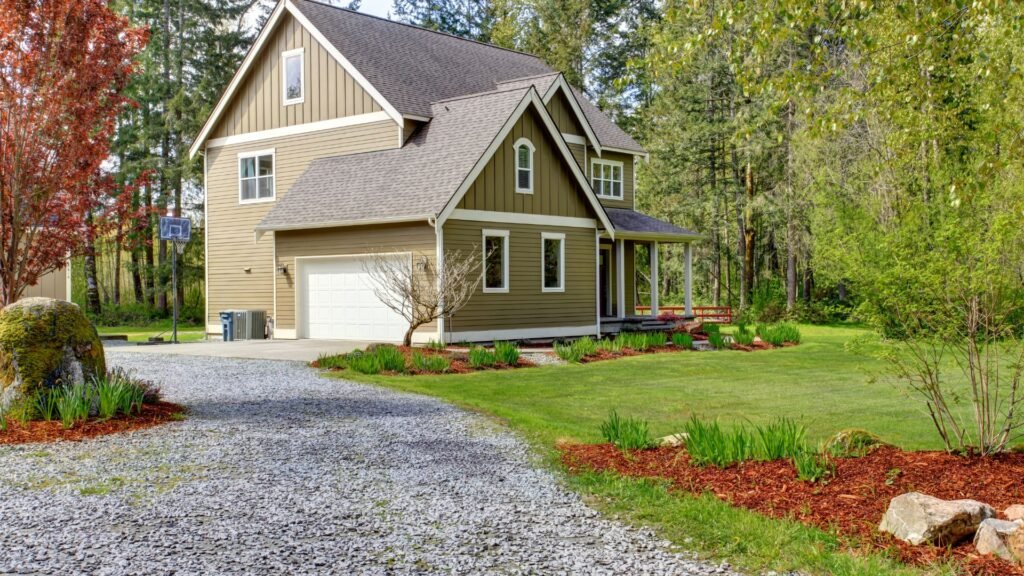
[64,65]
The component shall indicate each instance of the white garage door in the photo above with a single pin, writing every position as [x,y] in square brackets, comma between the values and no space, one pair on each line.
[338,302]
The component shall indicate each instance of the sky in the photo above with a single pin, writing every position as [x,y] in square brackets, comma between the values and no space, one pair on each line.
[376,7]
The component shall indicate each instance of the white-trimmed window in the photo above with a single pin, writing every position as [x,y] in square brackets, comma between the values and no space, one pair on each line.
[524,165]
[495,254]
[256,176]
[293,75]
[606,177]
[552,257]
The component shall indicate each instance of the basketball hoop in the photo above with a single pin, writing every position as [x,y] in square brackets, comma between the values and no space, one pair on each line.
[177,231]
[179,245]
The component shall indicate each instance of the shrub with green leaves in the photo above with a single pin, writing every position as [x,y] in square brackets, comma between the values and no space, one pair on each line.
[779,334]
[331,362]
[507,353]
[710,329]
[480,357]
[610,345]
[812,466]
[73,404]
[430,363]
[656,339]
[627,433]
[46,405]
[782,438]
[116,394]
[682,340]
[743,336]
[363,362]
[390,357]
[568,352]
[717,341]
[709,444]
[636,341]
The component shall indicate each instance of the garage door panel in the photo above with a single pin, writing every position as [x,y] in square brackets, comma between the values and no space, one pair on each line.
[339,302]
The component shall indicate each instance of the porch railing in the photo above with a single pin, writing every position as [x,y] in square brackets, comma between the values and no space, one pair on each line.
[710,314]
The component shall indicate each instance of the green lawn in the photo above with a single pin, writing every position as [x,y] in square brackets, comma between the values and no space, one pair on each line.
[821,383]
[186,332]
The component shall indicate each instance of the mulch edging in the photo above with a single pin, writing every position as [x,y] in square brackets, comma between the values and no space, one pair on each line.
[853,501]
[41,431]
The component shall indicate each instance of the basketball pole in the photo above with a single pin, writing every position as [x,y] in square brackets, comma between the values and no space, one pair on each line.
[174,292]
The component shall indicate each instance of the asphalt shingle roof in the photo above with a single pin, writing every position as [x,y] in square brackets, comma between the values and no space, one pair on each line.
[413,67]
[626,220]
[416,180]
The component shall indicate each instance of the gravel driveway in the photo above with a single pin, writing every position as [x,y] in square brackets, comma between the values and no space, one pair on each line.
[277,470]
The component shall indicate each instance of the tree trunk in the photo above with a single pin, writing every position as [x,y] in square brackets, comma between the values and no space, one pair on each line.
[92,288]
[150,257]
[118,240]
[165,155]
[747,240]
[790,266]
[808,283]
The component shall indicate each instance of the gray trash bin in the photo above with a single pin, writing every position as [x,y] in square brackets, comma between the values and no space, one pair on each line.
[227,325]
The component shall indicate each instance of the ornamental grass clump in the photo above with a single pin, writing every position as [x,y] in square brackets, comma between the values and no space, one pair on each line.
[636,341]
[779,334]
[743,336]
[627,433]
[117,394]
[717,341]
[391,359]
[331,362]
[73,403]
[430,363]
[568,352]
[610,345]
[363,362]
[682,340]
[782,438]
[812,466]
[656,339]
[507,353]
[480,357]
[46,406]
[709,444]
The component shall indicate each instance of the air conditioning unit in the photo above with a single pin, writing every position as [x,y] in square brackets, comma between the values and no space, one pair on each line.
[250,324]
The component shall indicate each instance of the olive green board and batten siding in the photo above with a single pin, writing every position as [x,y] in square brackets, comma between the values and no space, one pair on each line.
[563,115]
[555,190]
[329,91]
[417,238]
[526,305]
[232,246]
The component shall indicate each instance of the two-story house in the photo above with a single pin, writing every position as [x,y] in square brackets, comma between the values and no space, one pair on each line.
[343,135]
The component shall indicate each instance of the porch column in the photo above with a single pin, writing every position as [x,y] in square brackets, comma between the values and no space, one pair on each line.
[620,278]
[654,279]
[688,278]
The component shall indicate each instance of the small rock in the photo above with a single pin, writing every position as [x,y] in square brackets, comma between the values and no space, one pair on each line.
[993,535]
[918,519]
[1015,512]
[673,440]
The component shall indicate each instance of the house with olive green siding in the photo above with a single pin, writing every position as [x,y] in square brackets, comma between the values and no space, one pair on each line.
[344,138]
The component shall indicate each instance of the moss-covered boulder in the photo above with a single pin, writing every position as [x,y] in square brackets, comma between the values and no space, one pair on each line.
[45,343]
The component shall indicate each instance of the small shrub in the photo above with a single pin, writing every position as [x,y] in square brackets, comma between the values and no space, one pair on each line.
[780,439]
[853,443]
[812,466]
[609,345]
[431,363]
[568,352]
[480,357]
[707,443]
[683,340]
[507,353]
[73,404]
[331,362]
[390,358]
[717,341]
[743,337]
[779,334]
[628,433]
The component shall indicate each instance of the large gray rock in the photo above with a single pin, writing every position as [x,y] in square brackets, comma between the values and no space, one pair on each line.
[921,519]
[45,343]
[994,537]
[1015,512]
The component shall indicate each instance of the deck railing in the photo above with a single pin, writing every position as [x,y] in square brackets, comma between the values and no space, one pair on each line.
[710,314]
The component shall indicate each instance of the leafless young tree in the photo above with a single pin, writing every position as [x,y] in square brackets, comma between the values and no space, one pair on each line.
[420,291]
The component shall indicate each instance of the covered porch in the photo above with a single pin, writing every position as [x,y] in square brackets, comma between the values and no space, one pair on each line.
[629,269]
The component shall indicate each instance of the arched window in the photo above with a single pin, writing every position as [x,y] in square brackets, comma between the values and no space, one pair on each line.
[524,166]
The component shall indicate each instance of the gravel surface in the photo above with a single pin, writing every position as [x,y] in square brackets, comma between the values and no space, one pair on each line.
[278,470]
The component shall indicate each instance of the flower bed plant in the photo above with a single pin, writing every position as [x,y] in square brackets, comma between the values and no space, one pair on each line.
[432,359]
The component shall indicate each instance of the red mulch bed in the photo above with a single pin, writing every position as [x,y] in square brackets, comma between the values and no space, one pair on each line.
[39,431]
[853,501]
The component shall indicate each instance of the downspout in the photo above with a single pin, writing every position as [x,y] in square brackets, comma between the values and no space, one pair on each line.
[439,257]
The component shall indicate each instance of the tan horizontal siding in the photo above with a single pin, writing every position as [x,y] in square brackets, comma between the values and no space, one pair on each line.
[232,245]
[526,305]
[627,177]
[555,189]
[417,238]
[329,91]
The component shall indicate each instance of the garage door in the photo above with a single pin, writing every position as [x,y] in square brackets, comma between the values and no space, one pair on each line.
[338,302]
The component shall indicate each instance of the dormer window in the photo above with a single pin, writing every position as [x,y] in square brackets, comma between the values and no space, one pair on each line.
[524,166]
[294,76]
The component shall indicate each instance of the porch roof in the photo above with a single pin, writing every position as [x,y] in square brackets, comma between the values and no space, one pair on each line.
[633,225]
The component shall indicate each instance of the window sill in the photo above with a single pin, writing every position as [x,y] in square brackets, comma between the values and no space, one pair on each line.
[257,201]
[523,191]
[495,290]
[552,290]
[293,102]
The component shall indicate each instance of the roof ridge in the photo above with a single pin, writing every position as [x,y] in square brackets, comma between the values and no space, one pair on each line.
[415,27]
[479,94]
[520,79]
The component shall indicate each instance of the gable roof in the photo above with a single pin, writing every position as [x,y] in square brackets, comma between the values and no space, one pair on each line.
[417,181]
[406,69]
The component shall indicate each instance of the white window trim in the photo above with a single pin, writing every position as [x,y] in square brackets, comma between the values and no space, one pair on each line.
[301,53]
[594,163]
[504,260]
[561,261]
[533,165]
[273,175]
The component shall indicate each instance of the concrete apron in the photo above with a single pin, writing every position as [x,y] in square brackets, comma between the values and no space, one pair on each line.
[294,350]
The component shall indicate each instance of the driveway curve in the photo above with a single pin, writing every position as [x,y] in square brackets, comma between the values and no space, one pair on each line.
[277,470]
